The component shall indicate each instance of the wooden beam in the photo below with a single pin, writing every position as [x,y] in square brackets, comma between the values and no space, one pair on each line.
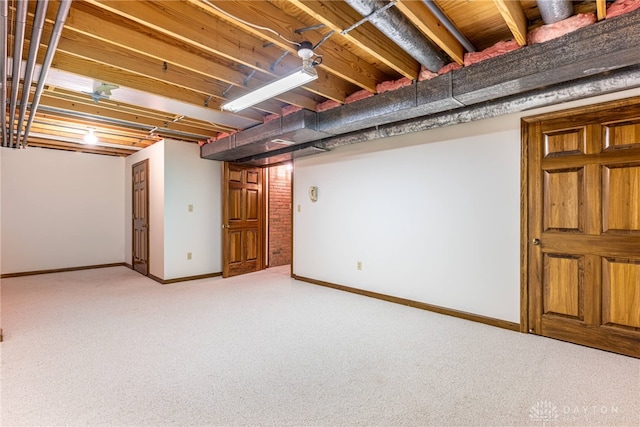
[88,20]
[196,28]
[431,27]
[84,47]
[135,114]
[339,16]
[514,16]
[82,148]
[142,41]
[114,111]
[601,8]
[107,73]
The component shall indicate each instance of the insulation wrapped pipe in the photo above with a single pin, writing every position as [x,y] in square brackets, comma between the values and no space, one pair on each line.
[398,28]
[553,11]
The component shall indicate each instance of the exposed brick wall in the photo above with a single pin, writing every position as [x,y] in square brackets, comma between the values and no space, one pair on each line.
[279,216]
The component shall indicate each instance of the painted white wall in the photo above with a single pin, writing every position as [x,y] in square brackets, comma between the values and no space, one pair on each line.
[433,216]
[190,180]
[60,209]
[155,155]
[178,177]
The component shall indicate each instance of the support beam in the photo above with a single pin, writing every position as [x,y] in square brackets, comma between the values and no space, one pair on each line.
[514,16]
[429,25]
[601,9]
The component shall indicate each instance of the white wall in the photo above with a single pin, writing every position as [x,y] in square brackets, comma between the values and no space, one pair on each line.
[178,177]
[155,155]
[190,180]
[60,209]
[433,216]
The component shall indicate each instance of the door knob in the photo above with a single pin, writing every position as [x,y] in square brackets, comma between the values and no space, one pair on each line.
[536,242]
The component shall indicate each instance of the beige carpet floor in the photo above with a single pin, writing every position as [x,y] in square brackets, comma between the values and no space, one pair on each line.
[110,347]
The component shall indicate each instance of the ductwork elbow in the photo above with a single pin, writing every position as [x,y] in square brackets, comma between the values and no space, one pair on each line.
[552,11]
[397,27]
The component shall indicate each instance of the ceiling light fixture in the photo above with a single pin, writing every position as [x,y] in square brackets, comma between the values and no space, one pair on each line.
[90,138]
[299,77]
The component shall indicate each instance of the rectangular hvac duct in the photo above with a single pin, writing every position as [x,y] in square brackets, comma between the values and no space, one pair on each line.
[281,156]
[286,131]
[419,99]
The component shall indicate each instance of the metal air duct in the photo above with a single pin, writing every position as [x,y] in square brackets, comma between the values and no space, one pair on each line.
[397,27]
[286,132]
[553,11]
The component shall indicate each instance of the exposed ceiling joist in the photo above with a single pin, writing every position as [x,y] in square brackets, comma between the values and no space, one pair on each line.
[174,62]
[515,18]
[432,28]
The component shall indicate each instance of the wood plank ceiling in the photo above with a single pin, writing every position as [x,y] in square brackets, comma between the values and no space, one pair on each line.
[175,62]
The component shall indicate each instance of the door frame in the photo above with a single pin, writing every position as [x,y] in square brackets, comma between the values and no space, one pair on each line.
[133,266]
[526,191]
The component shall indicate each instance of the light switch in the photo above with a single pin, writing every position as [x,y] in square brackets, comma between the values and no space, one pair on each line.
[190,208]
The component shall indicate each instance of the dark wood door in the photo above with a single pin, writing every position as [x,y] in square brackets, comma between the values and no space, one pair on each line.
[140,208]
[584,226]
[243,220]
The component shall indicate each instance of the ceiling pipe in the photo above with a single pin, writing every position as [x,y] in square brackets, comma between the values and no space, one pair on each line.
[397,27]
[4,31]
[56,33]
[21,25]
[552,11]
[36,35]
[444,19]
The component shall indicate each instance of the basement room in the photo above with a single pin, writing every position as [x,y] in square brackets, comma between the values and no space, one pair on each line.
[320,213]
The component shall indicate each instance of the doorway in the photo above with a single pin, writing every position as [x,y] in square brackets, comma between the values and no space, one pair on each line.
[257,218]
[140,208]
[279,215]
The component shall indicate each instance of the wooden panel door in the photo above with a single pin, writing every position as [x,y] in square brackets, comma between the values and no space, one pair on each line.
[243,220]
[584,227]
[140,208]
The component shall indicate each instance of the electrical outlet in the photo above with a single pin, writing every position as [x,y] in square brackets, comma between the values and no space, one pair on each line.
[188,255]
[359,265]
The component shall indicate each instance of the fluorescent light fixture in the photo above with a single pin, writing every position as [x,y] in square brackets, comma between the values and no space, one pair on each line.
[290,81]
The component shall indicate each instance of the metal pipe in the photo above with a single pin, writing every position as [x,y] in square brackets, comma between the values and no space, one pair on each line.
[61,17]
[21,21]
[397,27]
[455,32]
[36,35]
[552,11]
[123,123]
[4,31]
